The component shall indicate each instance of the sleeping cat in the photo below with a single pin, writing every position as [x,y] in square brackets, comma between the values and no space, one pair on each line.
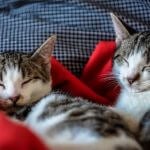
[24,79]
[62,122]
[132,69]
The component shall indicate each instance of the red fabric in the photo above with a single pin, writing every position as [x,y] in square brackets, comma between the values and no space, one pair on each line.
[90,85]
[16,137]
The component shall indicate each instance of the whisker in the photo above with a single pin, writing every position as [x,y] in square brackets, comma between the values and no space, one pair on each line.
[111,84]
[117,86]
[145,84]
[109,79]
[107,76]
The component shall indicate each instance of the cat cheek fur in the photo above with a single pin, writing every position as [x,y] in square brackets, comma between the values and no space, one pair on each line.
[134,67]
[2,94]
[33,92]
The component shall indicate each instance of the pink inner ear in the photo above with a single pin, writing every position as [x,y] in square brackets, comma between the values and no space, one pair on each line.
[118,42]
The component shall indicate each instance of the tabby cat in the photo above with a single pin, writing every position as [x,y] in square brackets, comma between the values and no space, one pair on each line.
[132,70]
[24,79]
[62,122]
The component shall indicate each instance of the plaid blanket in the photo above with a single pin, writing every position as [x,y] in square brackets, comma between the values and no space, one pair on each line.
[79,24]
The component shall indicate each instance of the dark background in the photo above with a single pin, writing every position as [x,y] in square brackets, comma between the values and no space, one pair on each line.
[79,25]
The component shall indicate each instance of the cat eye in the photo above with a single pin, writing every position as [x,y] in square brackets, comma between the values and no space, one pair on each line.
[2,85]
[27,81]
[120,59]
[146,68]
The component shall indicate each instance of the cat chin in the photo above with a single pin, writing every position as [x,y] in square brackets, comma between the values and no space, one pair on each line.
[135,90]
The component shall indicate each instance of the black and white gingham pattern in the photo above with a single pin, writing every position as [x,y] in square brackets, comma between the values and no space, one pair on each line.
[79,25]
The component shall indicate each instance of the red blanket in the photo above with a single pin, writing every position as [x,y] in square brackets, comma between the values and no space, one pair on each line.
[91,85]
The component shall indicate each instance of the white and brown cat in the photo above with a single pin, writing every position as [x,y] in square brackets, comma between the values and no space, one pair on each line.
[132,70]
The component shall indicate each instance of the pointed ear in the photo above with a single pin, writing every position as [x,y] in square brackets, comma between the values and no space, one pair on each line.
[44,52]
[120,30]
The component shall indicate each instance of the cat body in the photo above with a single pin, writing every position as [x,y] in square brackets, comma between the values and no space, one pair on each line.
[65,123]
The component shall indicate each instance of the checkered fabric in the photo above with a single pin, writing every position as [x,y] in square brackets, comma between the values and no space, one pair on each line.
[79,25]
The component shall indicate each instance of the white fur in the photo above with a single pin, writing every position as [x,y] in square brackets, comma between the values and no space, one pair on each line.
[134,104]
[134,99]
[10,81]
[109,143]
[44,126]
[32,91]
[76,138]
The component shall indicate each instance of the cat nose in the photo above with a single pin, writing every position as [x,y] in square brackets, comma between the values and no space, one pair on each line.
[15,98]
[131,80]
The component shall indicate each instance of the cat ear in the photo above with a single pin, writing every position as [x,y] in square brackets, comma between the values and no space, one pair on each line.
[44,52]
[120,29]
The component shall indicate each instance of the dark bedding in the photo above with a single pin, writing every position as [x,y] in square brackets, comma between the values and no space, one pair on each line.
[79,24]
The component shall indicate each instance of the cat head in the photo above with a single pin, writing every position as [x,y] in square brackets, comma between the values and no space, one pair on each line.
[131,64]
[25,78]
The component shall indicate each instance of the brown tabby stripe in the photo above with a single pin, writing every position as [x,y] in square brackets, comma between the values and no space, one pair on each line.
[145,131]
[85,114]
[28,67]
[136,43]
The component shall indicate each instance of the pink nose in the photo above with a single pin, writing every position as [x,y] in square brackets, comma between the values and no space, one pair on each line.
[133,79]
[15,98]
[130,80]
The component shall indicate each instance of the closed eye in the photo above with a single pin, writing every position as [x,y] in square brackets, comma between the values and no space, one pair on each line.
[26,81]
[29,80]
[121,59]
[2,85]
[146,68]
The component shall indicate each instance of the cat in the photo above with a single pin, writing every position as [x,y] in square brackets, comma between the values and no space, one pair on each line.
[132,69]
[131,66]
[24,79]
[61,121]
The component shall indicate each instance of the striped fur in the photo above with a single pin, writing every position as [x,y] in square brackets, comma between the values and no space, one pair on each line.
[132,70]
[64,123]
[25,78]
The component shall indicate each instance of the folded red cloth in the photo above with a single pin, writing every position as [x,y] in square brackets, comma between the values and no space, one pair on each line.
[91,85]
